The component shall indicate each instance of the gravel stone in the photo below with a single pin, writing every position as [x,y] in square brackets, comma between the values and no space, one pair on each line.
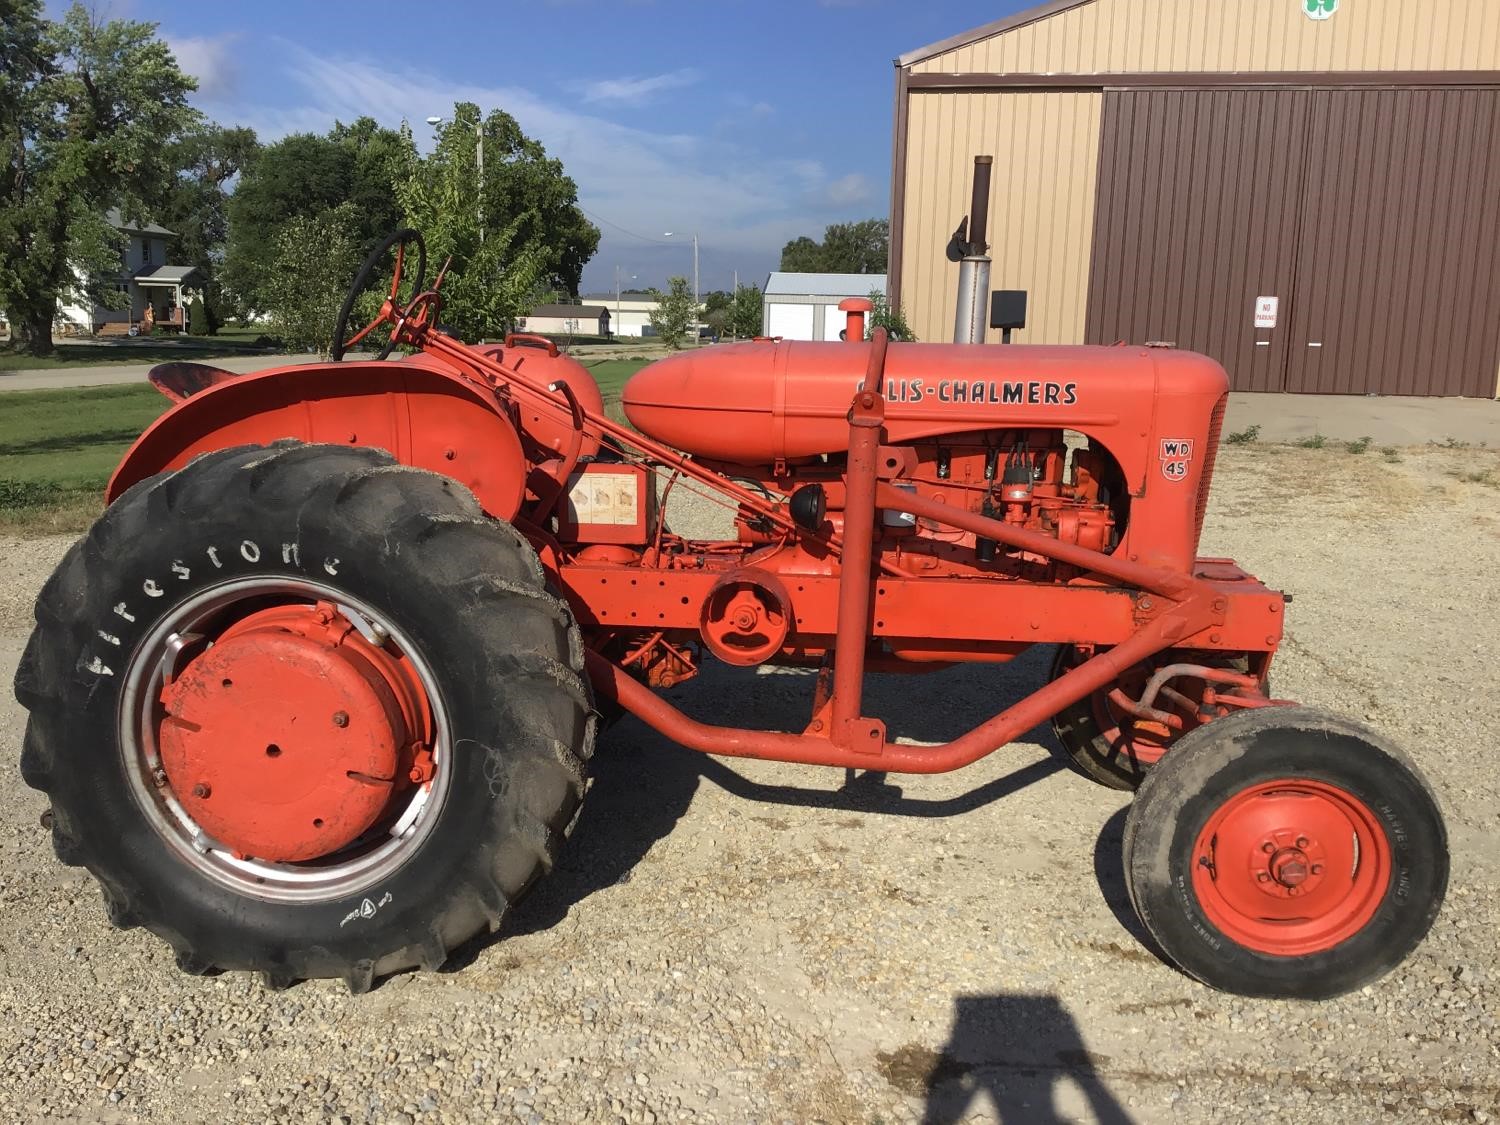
[733,941]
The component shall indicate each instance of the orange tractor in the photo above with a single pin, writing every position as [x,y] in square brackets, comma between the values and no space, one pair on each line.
[316,696]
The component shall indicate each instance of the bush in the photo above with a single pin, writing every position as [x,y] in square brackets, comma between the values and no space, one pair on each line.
[1244,437]
[197,318]
[27,493]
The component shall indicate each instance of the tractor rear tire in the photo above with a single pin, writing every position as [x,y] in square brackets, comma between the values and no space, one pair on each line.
[1282,852]
[452,601]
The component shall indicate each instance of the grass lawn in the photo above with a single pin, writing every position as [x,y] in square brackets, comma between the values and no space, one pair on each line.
[58,447]
[611,374]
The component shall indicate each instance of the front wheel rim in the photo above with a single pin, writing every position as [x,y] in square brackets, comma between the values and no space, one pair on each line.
[1291,867]
[388,669]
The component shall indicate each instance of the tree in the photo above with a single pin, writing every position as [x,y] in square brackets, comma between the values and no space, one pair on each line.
[523,184]
[802,255]
[862,247]
[316,258]
[89,111]
[511,242]
[885,315]
[674,312]
[303,176]
[716,310]
[197,315]
[746,314]
[196,208]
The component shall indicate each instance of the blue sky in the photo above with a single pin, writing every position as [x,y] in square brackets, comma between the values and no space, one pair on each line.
[750,122]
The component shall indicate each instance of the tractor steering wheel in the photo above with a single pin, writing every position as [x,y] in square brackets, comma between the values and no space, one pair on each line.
[390,309]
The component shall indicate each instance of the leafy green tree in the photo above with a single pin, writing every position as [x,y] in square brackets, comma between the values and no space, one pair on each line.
[197,207]
[746,314]
[887,316]
[862,247]
[316,258]
[89,111]
[802,255]
[716,310]
[303,176]
[674,313]
[518,238]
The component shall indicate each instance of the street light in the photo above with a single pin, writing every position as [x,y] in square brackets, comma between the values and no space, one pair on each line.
[668,234]
[435,121]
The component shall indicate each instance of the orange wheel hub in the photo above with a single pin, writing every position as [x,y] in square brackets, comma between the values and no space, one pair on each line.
[288,737]
[1291,867]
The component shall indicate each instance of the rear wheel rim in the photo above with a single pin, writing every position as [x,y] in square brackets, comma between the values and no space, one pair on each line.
[1291,867]
[397,673]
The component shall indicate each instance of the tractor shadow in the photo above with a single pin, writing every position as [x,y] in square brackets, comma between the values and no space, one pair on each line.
[643,784]
[1009,1057]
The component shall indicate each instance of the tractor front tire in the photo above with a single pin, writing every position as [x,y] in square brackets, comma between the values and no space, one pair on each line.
[1283,852]
[186,684]
[1094,745]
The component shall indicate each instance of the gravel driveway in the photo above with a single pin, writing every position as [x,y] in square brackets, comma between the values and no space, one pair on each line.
[740,941]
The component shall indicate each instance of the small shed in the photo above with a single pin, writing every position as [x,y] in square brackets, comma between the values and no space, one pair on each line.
[805,306]
[567,320]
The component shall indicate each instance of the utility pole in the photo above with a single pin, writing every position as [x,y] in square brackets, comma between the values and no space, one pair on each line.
[668,234]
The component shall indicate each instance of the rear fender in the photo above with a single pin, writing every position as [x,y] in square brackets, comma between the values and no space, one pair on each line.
[424,416]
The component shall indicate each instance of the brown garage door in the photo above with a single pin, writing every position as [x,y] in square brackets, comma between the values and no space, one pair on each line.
[1197,217]
[1370,215]
[1398,277]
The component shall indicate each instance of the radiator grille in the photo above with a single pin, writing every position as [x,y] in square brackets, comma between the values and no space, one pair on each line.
[1215,425]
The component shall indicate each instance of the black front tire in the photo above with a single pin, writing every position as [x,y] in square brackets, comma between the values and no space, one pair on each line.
[469,591]
[1299,751]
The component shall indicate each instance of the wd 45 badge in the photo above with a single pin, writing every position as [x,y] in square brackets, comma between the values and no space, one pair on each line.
[1176,456]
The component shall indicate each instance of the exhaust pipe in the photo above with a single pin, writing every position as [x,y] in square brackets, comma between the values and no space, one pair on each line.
[971,251]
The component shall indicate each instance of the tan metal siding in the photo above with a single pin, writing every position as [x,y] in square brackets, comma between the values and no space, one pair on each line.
[1041,204]
[1230,35]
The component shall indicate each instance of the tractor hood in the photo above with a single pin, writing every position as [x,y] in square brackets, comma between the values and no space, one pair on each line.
[757,402]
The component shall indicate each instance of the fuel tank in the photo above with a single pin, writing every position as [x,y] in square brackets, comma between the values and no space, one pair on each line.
[753,403]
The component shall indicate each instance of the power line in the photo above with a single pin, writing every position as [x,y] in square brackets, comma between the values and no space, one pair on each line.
[623,230]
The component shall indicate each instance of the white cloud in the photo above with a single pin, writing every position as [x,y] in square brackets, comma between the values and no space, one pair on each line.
[634,91]
[210,61]
[853,188]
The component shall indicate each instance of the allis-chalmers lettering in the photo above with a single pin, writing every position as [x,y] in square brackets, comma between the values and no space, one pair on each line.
[984,392]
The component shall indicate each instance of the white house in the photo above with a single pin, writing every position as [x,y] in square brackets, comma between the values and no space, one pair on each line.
[805,306]
[146,277]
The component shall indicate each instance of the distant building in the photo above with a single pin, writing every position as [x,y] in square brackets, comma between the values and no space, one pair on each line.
[805,306]
[631,311]
[147,279]
[567,320]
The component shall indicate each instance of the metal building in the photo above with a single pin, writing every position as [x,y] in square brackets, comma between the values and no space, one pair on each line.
[805,306]
[1307,190]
